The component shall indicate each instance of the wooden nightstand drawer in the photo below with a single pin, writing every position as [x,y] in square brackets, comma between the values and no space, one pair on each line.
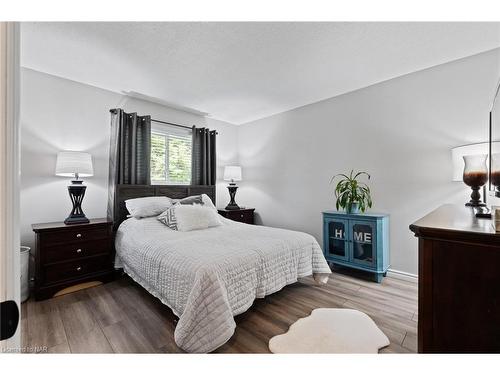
[70,251]
[75,269]
[244,215]
[77,235]
[68,255]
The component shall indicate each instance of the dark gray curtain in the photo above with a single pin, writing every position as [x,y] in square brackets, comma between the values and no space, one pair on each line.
[204,158]
[129,152]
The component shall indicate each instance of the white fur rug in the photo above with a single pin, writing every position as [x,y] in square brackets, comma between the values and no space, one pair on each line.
[331,331]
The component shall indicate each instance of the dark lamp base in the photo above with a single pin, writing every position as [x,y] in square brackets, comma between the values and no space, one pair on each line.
[232,193]
[76,192]
[76,220]
[474,204]
[475,198]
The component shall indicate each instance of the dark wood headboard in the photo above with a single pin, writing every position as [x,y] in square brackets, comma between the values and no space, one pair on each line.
[124,192]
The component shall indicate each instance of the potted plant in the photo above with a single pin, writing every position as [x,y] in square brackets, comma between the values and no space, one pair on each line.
[352,195]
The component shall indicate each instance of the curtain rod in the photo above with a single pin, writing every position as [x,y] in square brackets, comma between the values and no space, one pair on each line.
[171,123]
[164,122]
[180,126]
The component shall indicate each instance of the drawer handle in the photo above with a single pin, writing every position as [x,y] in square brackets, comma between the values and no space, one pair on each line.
[78,251]
[78,235]
[241,215]
[78,268]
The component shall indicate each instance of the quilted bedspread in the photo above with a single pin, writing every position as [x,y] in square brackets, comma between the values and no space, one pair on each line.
[208,276]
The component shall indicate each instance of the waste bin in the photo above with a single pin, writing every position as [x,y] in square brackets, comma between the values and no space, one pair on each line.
[25,259]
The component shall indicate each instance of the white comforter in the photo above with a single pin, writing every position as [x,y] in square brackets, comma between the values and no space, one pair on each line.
[208,276]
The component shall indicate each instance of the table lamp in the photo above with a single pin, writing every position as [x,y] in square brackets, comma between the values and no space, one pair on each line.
[77,165]
[232,173]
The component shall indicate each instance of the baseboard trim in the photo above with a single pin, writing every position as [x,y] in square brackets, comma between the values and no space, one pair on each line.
[396,274]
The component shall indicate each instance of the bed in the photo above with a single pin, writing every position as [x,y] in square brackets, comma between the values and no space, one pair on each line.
[209,276]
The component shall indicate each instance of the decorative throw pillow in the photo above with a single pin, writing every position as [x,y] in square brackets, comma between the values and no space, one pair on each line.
[193,199]
[193,217]
[207,201]
[169,217]
[147,206]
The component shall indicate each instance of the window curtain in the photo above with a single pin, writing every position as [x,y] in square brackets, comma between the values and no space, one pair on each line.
[129,152]
[204,157]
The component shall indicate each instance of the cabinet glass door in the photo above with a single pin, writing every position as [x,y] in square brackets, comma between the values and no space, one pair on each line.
[337,243]
[364,250]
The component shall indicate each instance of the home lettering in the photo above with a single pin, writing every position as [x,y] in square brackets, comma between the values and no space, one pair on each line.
[358,236]
[363,237]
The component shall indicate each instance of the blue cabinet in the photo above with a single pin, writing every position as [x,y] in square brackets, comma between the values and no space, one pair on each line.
[358,241]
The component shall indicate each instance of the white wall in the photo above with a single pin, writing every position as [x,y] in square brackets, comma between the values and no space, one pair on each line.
[59,114]
[400,131]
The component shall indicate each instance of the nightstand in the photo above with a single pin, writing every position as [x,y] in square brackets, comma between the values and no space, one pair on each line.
[67,255]
[243,215]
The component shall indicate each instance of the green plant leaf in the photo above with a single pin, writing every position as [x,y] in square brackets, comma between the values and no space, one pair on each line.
[361,173]
[349,190]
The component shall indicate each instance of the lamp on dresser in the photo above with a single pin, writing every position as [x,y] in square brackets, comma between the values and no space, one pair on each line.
[474,176]
[232,173]
[77,165]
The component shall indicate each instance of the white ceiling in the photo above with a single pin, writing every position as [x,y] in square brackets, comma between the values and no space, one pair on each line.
[239,72]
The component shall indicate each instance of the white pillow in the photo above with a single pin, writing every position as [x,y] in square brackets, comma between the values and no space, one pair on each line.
[168,217]
[147,206]
[192,217]
[207,201]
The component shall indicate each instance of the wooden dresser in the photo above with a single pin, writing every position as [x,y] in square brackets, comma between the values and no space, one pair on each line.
[243,215]
[459,282]
[67,255]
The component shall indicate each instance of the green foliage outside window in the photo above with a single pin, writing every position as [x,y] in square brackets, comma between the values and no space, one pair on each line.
[158,152]
[170,159]
[179,160]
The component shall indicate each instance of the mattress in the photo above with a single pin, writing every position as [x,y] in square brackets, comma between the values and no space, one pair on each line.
[209,276]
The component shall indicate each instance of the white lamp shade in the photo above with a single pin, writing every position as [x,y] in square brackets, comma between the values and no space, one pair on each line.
[69,163]
[232,173]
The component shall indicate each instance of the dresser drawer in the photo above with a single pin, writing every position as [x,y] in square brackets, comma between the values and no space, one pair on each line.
[71,251]
[77,235]
[241,216]
[75,269]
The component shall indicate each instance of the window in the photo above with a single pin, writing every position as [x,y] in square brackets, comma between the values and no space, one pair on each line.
[170,155]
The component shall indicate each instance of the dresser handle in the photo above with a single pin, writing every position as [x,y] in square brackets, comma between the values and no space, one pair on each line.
[78,268]
[78,235]
[78,251]
[241,215]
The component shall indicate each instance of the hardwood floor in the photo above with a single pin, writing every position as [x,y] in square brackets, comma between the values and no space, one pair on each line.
[122,317]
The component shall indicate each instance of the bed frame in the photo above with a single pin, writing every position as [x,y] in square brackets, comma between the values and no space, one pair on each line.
[124,192]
